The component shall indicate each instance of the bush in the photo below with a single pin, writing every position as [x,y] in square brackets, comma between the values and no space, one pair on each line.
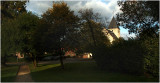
[122,56]
[133,56]
[151,60]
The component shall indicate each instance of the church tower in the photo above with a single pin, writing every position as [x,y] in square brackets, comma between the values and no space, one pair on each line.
[113,31]
[114,28]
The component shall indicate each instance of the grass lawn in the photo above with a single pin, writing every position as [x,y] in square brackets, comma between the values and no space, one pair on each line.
[81,72]
[14,59]
[8,74]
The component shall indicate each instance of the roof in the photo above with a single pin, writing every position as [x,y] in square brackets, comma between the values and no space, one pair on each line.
[113,24]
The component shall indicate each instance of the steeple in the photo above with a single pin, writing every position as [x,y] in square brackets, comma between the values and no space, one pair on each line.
[113,24]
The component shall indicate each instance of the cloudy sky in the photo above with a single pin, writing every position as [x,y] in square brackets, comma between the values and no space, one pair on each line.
[107,8]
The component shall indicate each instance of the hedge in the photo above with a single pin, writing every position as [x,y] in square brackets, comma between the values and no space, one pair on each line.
[131,56]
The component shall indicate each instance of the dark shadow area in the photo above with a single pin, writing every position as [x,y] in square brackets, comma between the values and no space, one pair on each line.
[41,65]
[84,72]
[24,78]
[8,73]
[8,79]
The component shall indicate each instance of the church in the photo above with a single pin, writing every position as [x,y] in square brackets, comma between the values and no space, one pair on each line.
[113,31]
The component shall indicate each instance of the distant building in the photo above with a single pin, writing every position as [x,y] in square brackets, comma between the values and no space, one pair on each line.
[70,53]
[87,55]
[113,31]
[19,55]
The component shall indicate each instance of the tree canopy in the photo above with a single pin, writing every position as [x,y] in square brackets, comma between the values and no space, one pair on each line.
[138,16]
[11,9]
[61,23]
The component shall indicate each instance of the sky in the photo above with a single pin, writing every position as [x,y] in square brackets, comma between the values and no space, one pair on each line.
[107,9]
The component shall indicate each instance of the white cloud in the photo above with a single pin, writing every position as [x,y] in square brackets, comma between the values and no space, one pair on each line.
[105,8]
[38,7]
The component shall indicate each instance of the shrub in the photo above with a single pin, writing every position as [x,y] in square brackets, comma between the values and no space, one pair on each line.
[122,56]
[133,56]
[151,60]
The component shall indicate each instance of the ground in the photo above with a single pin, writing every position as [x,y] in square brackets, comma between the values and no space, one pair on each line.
[8,73]
[24,74]
[80,71]
[76,70]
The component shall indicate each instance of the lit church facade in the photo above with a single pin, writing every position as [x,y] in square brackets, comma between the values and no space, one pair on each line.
[113,31]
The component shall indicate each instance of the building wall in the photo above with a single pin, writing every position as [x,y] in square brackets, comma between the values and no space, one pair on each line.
[116,31]
[110,38]
[87,55]
[107,35]
[70,53]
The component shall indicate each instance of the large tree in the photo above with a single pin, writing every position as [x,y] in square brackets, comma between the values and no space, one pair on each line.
[62,22]
[138,16]
[142,18]
[91,30]
[9,11]
[88,16]
[17,34]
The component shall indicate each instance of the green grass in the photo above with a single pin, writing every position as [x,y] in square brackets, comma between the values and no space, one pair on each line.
[14,59]
[8,73]
[11,59]
[81,72]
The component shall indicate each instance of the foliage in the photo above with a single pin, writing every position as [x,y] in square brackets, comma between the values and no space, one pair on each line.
[10,32]
[88,17]
[123,56]
[11,9]
[90,34]
[17,34]
[142,17]
[138,15]
[133,56]
[8,36]
[17,37]
[27,23]
[151,60]
[62,24]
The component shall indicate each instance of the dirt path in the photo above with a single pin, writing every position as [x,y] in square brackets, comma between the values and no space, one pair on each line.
[24,74]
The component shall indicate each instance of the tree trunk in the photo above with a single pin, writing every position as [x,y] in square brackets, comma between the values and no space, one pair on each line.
[35,62]
[91,29]
[4,60]
[61,60]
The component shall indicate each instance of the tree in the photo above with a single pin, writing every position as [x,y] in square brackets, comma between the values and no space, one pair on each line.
[28,23]
[40,40]
[9,11]
[91,31]
[8,36]
[88,16]
[138,15]
[62,22]
[18,37]
[142,18]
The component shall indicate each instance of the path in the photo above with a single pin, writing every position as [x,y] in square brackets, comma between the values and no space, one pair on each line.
[24,74]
